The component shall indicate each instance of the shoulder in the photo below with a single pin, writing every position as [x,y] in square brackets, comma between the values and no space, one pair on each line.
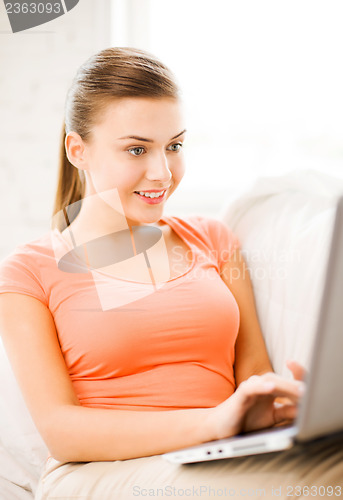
[210,231]
[205,226]
[29,251]
[20,271]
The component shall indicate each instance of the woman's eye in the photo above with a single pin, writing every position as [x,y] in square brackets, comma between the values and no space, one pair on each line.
[176,147]
[136,151]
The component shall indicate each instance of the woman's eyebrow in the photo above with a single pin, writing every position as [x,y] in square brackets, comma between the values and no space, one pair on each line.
[178,135]
[137,138]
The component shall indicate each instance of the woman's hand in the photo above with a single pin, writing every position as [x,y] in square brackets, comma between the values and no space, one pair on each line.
[253,405]
[298,371]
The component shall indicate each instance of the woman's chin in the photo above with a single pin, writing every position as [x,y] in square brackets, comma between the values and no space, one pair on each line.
[136,219]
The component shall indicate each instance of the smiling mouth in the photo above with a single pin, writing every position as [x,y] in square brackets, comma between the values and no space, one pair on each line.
[152,194]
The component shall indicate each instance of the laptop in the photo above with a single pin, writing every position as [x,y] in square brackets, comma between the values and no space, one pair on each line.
[321,408]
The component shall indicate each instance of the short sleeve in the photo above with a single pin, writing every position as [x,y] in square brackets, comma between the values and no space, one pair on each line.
[19,273]
[223,239]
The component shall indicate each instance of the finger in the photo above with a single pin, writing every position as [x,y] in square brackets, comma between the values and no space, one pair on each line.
[271,384]
[283,401]
[251,389]
[284,412]
[283,387]
[298,371]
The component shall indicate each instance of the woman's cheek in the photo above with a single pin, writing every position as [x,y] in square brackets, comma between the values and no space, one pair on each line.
[179,171]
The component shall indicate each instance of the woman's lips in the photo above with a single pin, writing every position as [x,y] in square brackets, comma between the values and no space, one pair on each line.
[152,201]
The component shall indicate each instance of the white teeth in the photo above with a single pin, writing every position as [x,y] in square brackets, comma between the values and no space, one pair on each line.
[151,195]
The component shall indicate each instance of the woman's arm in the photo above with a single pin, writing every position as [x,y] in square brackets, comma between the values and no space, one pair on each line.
[76,433]
[251,357]
[73,432]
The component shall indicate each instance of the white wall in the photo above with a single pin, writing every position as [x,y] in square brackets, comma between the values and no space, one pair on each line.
[262,83]
[36,69]
[277,104]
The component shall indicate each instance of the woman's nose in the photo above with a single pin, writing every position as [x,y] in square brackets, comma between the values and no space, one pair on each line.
[158,168]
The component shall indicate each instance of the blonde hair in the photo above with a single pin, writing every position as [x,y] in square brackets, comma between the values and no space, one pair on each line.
[110,74]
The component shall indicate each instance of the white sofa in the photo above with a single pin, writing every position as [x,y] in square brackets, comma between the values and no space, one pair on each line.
[284,224]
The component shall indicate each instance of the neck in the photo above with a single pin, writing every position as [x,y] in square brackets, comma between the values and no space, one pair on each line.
[99,215]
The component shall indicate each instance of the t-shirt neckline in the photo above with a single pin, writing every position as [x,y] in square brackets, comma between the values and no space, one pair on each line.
[174,228]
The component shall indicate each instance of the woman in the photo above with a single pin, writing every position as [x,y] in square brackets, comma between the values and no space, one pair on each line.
[121,308]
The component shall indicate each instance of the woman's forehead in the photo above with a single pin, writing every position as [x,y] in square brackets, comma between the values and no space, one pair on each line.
[143,117]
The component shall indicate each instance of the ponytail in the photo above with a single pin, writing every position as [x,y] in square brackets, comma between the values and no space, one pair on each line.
[70,189]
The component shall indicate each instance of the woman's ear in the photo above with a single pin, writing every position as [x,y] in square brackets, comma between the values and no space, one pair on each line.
[76,150]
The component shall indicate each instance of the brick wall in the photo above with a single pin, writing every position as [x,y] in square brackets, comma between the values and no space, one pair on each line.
[36,69]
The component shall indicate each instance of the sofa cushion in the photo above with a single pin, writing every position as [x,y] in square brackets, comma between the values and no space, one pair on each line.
[22,451]
[285,226]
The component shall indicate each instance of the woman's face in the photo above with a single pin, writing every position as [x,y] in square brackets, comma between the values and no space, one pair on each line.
[137,147]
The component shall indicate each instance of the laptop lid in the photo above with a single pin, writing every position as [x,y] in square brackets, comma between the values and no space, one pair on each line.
[321,409]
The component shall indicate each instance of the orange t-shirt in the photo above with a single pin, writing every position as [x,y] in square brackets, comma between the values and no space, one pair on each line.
[169,349]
